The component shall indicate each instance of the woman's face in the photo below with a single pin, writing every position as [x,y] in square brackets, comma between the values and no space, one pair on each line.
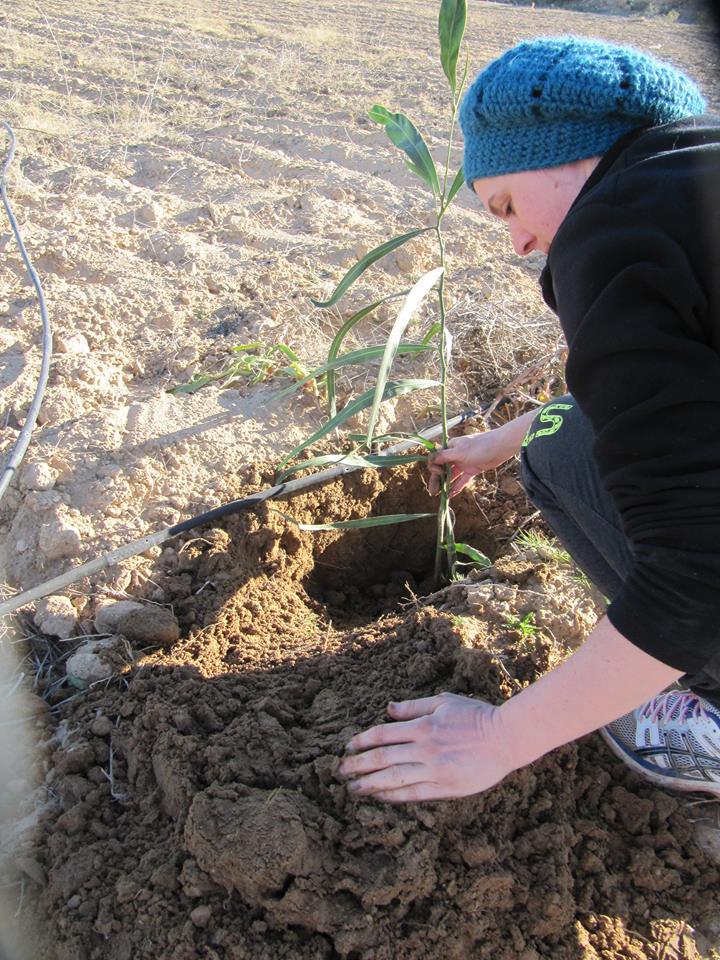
[533,203]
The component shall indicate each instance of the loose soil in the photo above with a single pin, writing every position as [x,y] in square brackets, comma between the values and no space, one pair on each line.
[188,175]
[197,811]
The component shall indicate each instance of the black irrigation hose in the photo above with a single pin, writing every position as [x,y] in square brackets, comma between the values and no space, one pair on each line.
[234,506]
[22,442]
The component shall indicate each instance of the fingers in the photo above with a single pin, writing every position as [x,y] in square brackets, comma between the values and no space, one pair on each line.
[443,455]
[385,734]
[370,761]
[395,733]
[404,775]
[412,709]
[454,458]
[460,482]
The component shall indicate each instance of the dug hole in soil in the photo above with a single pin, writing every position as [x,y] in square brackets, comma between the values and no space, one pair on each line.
[198,812]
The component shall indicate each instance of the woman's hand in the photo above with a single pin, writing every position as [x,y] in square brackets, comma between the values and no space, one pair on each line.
[444,746]
[469,456]
[478,452]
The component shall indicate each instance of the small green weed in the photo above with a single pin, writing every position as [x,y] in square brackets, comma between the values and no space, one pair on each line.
[543,546]
[256,364]
[547,549]
[525,626]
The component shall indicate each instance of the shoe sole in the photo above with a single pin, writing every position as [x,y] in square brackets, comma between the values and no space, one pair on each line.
[671,783]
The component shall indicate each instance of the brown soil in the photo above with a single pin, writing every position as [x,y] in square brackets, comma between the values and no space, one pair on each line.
[224,831]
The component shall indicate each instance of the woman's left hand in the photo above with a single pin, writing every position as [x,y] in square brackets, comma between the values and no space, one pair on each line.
[442,747]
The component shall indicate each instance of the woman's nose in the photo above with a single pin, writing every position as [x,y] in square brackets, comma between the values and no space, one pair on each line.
[522,240]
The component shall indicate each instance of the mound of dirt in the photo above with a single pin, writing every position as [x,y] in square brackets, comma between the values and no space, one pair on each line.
[198,809]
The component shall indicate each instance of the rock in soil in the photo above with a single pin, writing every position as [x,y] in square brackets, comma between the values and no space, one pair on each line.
[95,659]
[56,616]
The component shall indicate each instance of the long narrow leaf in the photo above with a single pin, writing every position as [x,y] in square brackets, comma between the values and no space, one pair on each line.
[393,437]
[405,135]
[456,184]
[337,342]
[395,388]
[361,523]
[197,382]
[451,26]
[475,555]
[363,355]
[430,335]
[412,302]
[367,261]
[376,461]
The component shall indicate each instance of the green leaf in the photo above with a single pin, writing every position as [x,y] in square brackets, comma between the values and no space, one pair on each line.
[287,351]
[196,383]
[395,388]
[475,555]
[367,261]
[392,437]
[434,329]
[359,524]
[456,184]
[451,26]
[374,461]
[363,355]
[338,339]
[412,302]
[404,134]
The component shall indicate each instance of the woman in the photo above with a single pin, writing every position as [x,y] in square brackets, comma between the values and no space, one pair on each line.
[600,157]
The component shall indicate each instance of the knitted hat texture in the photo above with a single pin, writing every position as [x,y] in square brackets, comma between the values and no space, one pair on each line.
[555,100]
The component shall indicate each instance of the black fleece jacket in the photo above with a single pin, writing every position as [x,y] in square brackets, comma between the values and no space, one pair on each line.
[634,276]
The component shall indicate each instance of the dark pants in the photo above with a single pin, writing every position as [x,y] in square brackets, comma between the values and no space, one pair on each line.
[558,472]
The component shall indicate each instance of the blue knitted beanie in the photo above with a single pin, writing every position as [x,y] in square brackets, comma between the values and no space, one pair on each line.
[555,100]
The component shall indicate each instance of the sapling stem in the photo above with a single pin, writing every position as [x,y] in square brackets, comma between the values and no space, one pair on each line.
[443,515]
[445,539]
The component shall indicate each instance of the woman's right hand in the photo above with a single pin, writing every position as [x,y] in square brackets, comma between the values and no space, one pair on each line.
[476,453]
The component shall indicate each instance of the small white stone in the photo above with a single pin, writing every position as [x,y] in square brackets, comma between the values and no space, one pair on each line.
[55,616]
[86,664]
[38,476]
[71,343]
[200,916]
[58,540]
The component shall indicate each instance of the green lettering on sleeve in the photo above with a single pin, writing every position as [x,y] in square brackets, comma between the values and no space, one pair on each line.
[553,420]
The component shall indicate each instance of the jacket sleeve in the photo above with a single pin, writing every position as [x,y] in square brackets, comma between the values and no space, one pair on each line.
[644,370]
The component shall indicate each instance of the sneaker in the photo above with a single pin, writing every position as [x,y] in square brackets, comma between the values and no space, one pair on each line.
[673,740]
